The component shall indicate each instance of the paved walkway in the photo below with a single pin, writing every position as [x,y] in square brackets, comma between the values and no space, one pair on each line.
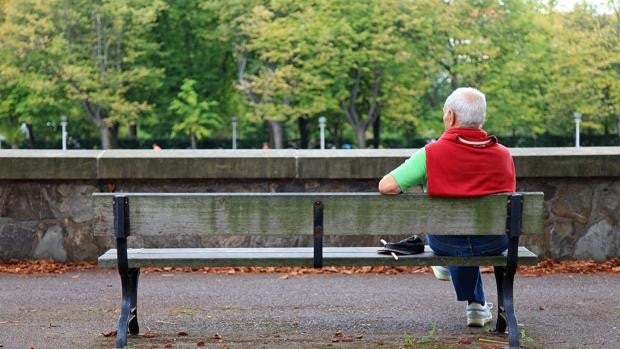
[265,310]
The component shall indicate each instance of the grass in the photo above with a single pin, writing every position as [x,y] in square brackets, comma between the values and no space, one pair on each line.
[430,340]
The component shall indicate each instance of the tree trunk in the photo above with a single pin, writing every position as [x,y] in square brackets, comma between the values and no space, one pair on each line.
[337,135]
[376,132]
[114,136]
[303,132]
[97,115]
[133,131]
[30,136]
[192,138]
[104,133]
[275,133]
[360,137]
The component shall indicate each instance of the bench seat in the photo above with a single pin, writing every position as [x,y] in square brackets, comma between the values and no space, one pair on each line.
[293,256]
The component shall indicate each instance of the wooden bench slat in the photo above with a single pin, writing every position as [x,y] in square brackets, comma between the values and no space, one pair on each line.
[297,256]
[155,214]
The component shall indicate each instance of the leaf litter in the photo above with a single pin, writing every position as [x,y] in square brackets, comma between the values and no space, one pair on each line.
[544,267]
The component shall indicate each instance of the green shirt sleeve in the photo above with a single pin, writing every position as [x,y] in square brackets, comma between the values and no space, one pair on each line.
[412,171]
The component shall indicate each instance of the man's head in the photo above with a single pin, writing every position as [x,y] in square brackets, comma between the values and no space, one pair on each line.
[465,107]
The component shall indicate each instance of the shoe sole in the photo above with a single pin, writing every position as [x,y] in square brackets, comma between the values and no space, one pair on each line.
[387,250]
[478,322]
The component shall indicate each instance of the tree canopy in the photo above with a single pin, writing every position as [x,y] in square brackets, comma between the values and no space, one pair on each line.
[140,71]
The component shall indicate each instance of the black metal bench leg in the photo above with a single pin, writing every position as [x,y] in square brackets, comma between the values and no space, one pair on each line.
[134,328]
[126,293]
[128,320]
[123,320]
[500,325]
[511,318]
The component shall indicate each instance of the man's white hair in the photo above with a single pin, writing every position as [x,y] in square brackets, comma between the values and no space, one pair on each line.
[469,105]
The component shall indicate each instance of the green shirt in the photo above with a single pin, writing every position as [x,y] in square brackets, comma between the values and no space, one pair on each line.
[411,172]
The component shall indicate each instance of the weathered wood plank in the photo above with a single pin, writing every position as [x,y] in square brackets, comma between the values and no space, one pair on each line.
[291,213]
[297,256]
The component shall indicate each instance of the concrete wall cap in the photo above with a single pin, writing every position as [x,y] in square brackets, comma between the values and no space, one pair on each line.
[276,163]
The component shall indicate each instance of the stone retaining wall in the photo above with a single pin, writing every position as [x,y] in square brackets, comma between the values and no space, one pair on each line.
[45,209]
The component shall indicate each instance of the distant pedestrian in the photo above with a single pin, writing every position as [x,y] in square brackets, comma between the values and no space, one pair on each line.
[156,147]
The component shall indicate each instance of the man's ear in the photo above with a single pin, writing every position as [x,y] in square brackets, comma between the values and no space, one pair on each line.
[452,118]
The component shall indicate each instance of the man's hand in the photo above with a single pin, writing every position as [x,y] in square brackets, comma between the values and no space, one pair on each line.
[388,185]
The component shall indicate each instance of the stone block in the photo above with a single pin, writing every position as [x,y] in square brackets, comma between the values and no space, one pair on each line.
[79,241]
[52,245]
[17,239]
[599,243]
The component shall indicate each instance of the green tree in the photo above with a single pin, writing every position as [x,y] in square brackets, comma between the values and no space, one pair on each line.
[191,44]
[29,94]
[330,56]
[93,50]
[198,120]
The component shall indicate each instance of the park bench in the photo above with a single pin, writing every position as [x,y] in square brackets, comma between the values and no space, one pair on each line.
[146,217]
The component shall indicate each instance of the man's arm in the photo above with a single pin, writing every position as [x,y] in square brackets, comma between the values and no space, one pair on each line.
[410,173]
[388,185]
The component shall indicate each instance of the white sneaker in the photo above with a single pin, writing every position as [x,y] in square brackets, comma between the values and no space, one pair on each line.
[441,273]
[479,315]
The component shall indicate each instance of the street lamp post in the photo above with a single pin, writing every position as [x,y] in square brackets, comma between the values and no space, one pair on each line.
[63,125]
[234,132]
[322,122]
[577,122]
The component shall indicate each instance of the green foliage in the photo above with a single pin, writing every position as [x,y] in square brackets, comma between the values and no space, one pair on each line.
[119,64]
[197,117]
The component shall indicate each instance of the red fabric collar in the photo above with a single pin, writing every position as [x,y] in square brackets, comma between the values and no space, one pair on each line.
[473,137]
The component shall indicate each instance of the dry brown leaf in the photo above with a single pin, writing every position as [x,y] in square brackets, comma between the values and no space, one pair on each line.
[182,334]
[109,334]
[465,340]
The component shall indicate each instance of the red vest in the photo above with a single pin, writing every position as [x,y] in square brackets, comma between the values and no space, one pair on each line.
[466,162]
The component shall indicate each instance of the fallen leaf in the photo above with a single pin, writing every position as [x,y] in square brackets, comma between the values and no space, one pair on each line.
[541,308]
[149,334]
[338,333]
[109,334]
[168,345]
[359,336]
[200,344]
[182,333]
[465,340]
[217,336]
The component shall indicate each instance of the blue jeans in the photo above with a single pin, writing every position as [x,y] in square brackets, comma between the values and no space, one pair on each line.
[467,281]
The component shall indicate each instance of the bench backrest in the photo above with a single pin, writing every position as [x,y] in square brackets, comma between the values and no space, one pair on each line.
[153,214]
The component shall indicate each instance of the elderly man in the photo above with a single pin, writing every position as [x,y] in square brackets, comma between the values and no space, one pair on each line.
[463,162]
